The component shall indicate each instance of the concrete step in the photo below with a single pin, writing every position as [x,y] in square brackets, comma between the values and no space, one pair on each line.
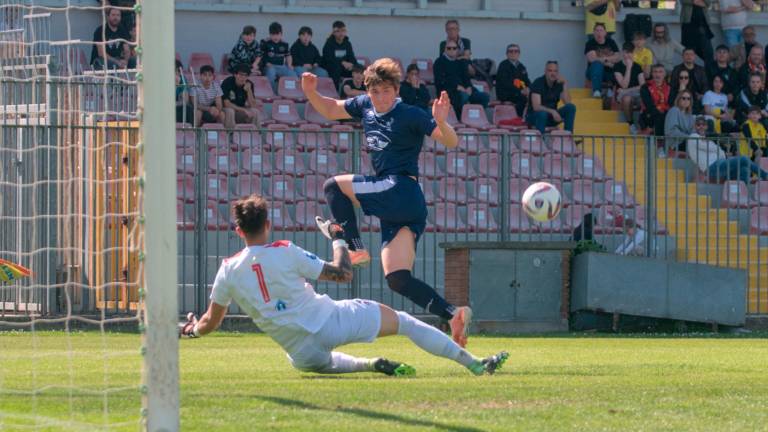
[581,93]
[689,227]
[710,253]
[735,242]
[587,104]
[602,116]
[601,129]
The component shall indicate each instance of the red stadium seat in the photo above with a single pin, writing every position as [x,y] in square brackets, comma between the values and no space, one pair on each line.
[517,220]
[447,218]
[590,168]
[224,65]
[616,193]
[433,146]
[311,138]
[763,163]
[257,162]
[305,215]
[489,165]
[289,161]
[248,185]
[480,218]
[452,189]
[214,220]
[326,87]
[199,59]
[313,187]
[245,139]
[530,142]
[217,188]
[185,138]
[516,188]
[481,86]
[473,116]
[486,190]
[453,121]
[428,188]
[185,188]
[185,216]
[290,88]
[469,140]
[561,141]
[341,138]
[495,137]
[610,220]
[641,220]
[278,136]
[735,195]
[283,188]
[761,192]
[186,162]
[524,165]
[370,224]
[426,71]
[222,161]
[758,221]
[457,163]
[584,193]
[284,111]
[280,218]
[323,162]
[428,165]
[574,215]
[215,136]
[505,114]
[558,166]
[262,89]
[311,115]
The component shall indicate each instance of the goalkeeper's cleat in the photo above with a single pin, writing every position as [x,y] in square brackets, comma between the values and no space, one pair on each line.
[359,258]
[393,368]
[460,325]
[495,362]
[329,229]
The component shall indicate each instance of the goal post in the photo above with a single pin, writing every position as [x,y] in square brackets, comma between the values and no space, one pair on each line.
[157,120]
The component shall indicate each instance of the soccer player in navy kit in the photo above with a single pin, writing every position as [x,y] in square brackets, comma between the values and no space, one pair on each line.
[394,135]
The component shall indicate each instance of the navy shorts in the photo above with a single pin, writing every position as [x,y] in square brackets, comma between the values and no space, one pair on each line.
[397,201]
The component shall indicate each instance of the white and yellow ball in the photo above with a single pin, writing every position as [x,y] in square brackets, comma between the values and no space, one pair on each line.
[542,201]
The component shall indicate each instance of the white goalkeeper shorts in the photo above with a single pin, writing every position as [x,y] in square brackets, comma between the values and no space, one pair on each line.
[353,321]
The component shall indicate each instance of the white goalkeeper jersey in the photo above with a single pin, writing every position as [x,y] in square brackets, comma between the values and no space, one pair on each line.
[269,283]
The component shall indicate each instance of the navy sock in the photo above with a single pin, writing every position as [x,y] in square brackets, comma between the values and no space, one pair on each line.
[403,283]
[343,212]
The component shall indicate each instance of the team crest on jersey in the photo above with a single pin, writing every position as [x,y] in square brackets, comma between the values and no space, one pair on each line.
[310,255]
[376,140]
[280,306]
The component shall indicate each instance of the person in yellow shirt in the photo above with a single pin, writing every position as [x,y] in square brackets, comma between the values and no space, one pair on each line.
[601,11]
[754,133]
[642,55]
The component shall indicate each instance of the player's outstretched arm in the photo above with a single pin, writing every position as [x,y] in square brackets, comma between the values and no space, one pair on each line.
[209,322]
[332,109]
[444,132]
[341,269]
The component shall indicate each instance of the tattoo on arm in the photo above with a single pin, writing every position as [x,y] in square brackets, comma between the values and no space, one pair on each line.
[341,268]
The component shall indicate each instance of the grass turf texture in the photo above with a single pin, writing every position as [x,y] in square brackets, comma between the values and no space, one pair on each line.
[243,382]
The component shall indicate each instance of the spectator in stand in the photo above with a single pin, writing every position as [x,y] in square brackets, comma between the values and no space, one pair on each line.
[712,161]
[413,91]
[276,59]
[697,74]
[184,110]
[655,100]
[545,94]
[733,19]
[740,52]
[512,82]
[720,67]
[629,78]
[683,79]
[111,48]
[209,107]
[754,132]
[452,76]
[305,56]
[715,104]
[452,35]
[602,53]
[755,64]
[695,28]
[600,11]
[752,95]
[354,86]
[642,55]
[665,50]
[634,239]
[338,55]
[246,51]
[678,124]
[240,106]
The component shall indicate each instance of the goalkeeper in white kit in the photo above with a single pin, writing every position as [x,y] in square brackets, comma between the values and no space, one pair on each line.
[268,281]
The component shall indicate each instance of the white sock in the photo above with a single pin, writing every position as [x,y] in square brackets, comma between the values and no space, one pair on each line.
[345,363]
[432,340]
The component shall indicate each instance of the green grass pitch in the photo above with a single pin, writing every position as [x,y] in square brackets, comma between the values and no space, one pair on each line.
[243,382]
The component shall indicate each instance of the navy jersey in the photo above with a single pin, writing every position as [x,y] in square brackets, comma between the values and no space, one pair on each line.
[393,138]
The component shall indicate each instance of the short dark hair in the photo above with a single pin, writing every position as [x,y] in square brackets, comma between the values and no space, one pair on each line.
[305,30]
[686,49]
[549,62]
[754,108]
[179,65]
[206,69]
[628,47]
[598,24]
[338,24]
[275,28]
[248,30]
[452,21]
[411,67]
[657,66]
[701,120]
[242,68]
[250,214]
[638,34]
[755,74]
[722,47]
[357,67]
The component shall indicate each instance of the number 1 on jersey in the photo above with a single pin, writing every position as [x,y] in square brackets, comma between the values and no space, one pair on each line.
[262,285]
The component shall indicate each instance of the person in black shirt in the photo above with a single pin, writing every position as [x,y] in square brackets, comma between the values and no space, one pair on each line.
[629,78]
[354,86]
[512,80]
[240,106]
[752,95]
[246,51]
[338,55]
[755,64]
[452,34]
[413,91]
[276,61]
[698,83]
[305,56]
[452,76]
[110,44]
[184,110]
[720,67]
[602,53]
[545,94]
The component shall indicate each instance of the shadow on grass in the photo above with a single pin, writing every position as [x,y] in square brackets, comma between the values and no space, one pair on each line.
[368,414]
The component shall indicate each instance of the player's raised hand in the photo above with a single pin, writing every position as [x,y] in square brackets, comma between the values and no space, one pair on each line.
[187,328]
[308,82]
[440,107]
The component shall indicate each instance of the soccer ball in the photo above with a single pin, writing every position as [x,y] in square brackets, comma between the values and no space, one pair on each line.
[542,201]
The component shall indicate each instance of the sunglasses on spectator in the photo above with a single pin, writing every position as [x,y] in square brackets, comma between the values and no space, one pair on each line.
[682,77]
[451,48]
[685,98]
[513,50]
